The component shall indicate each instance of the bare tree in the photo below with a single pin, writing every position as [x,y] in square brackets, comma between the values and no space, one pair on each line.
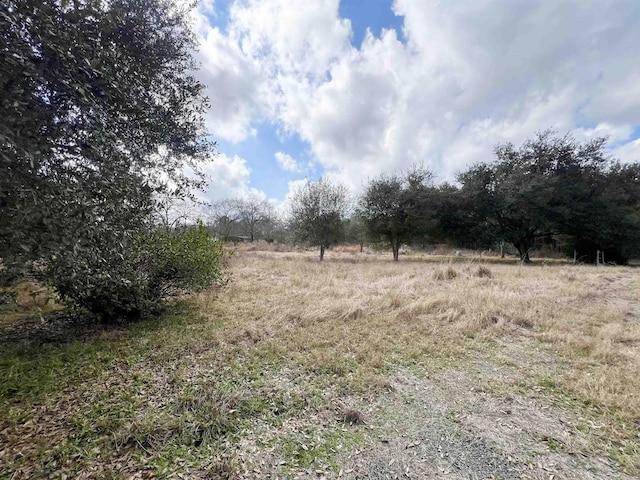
[174,213]
[253,213]
[224,217]
[276,228]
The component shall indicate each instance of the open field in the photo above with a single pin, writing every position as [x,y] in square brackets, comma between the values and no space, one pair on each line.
[353,368]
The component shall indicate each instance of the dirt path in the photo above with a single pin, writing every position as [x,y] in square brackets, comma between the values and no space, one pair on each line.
[457,425]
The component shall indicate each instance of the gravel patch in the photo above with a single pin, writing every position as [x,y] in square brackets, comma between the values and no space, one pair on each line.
[451,426]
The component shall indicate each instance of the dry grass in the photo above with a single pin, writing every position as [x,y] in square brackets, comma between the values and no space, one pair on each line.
[350,321]
[483,272]
[27,297]
[272,372]
[375,309]
[263,246]
[29,294]
[448,273]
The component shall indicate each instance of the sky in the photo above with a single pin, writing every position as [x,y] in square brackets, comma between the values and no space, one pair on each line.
[355,88]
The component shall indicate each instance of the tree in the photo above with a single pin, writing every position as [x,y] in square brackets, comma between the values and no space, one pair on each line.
[224,216]
[317,212]
[356,230]
[253,214]
[454,222]
[553,185]
[607,217]
[100,112]
[396,208]
[500,201]
[276,228]
[175,212]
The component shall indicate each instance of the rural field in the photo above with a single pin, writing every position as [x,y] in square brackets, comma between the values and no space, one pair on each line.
[355,367]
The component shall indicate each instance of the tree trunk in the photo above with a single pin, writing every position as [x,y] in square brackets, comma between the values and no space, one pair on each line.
[321,252]
[523,250]
[501,249]
[361,247]
[395,246]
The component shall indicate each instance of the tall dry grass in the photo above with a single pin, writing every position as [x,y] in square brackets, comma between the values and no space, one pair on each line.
[369,311]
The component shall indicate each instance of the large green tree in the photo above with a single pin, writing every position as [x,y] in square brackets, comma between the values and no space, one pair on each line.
[553,185]
[100,112]
[607,217]
[396,207]
[455,219]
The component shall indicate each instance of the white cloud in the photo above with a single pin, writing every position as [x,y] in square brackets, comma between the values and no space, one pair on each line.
[287,162]
[295,37]
[615,133]
[234,84]
[229,177]
[471,74]
[628,152]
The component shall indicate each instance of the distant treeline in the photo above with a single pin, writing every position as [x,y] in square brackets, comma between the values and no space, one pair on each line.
[552,189]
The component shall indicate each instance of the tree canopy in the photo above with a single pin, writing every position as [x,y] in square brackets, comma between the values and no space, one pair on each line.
[552,188]
[100,112]
[317,213]
[98,100]
[254,214]
[396,208]
[553,185]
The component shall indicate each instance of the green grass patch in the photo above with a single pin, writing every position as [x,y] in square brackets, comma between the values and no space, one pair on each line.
[317,452]
[162,396]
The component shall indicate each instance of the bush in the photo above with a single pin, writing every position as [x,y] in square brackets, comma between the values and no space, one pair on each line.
[189,260]
[129,279]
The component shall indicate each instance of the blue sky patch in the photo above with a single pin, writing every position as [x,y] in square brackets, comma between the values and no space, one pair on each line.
[374,15]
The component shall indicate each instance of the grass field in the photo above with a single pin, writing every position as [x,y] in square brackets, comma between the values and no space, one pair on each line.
[356,367]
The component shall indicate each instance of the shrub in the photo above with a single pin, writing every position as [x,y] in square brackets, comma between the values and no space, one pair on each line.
[189,260]
[130,278]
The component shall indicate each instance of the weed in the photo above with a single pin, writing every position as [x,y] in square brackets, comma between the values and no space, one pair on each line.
[224,468]
[447,274]
[553,444]
[483,272]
